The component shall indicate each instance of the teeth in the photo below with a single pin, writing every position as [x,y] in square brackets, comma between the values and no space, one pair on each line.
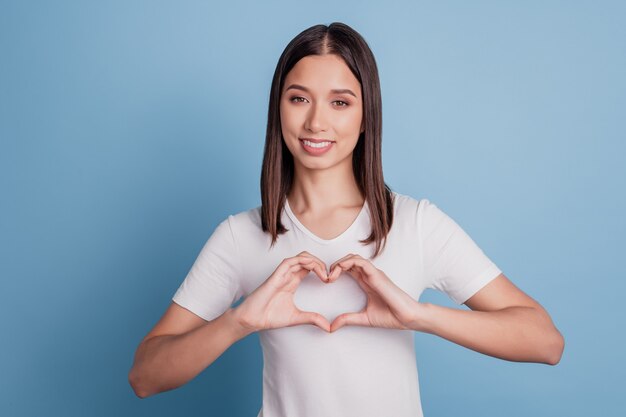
[316,145]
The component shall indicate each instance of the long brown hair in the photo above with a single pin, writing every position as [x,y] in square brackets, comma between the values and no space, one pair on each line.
[278,167]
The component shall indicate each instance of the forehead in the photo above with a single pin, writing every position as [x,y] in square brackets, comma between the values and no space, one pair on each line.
[322,72]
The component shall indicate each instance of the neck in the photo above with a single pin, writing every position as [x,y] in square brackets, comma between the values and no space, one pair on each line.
[322,190]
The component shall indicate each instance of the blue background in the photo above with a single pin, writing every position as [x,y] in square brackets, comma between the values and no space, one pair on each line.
[129,129]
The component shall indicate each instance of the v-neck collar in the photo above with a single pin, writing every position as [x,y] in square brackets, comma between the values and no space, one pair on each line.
[318,239]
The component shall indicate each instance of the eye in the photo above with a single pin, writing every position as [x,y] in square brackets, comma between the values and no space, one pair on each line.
[343,103]
[297,99]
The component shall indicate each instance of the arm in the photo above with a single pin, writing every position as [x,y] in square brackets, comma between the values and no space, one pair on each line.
[505,323]
[179,347]
[182,344]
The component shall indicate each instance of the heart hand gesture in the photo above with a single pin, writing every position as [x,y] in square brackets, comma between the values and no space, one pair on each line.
[388,306]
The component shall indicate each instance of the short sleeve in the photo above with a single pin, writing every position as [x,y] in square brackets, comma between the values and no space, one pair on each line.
[213,282]
[453,263]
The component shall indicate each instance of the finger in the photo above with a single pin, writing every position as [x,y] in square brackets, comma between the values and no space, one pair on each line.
[343,263]
[309,317]
[338,269]
[335,268]
[289,263]
[357,262]
[318,260]
[315,266]
[301,270]
[321,270]
[294,260]
[334,273]
[292,264]
[358,278]
[353,273]
[332,276]
[290,275]
[349,319]
[339,260]
[363,270]
[376,281]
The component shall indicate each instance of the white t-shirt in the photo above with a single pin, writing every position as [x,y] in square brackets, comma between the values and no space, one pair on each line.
[355,371]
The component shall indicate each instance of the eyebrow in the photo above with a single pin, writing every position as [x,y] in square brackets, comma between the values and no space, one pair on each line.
[335,91]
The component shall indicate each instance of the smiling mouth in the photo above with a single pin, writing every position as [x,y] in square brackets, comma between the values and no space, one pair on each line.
[316,147]
[316,143]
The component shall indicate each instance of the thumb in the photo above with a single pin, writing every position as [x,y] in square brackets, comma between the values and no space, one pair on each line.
[345,319]
[309,317]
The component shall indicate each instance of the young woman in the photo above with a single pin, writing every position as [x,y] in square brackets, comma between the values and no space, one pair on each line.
[333,262]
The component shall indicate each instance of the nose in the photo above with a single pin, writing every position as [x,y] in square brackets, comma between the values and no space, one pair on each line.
[316,118]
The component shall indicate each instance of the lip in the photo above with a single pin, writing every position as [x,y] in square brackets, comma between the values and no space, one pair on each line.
[314,140]
[316,151]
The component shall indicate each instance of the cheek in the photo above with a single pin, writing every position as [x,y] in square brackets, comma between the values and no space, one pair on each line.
[349,124]
[287,119]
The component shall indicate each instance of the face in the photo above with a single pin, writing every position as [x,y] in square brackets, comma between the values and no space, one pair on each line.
[321,112]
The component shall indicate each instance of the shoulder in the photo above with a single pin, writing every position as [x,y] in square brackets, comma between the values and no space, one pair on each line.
[420,214]
[246,217]
[245,222]
[406,206]
[412,214]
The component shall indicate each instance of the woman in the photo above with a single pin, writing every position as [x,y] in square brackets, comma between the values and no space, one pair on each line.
[332,247]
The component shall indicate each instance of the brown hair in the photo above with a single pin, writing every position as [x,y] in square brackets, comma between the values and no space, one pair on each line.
[278,167]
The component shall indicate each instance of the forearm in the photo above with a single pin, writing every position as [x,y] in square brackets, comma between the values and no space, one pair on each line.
[166,362]
[522,334]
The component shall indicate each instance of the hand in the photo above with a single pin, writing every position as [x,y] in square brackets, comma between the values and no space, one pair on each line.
[271,305]
[387,306]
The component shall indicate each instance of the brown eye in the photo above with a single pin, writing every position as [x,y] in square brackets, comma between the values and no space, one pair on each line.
[297,99]
[343,103]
